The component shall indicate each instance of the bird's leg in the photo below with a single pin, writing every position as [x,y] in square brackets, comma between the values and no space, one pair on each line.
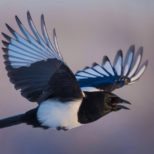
[62,128]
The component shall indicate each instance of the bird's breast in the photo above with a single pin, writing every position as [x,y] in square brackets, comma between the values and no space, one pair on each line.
[54,113]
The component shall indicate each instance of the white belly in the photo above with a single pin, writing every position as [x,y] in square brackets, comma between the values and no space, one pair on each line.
[52,113]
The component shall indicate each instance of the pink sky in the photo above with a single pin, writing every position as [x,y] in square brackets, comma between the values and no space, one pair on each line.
[87,30]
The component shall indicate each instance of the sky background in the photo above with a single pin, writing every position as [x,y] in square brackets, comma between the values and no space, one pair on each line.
[87,30]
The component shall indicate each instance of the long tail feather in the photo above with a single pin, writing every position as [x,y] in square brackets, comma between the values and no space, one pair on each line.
[14,120]
[29,118]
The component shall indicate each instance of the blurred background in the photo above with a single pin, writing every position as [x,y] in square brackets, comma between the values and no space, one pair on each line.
[87,30]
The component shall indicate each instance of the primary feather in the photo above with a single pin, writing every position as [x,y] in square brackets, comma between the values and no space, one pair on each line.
[108,77]
[35,65]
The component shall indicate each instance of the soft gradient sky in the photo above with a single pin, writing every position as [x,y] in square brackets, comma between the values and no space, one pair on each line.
[87,30]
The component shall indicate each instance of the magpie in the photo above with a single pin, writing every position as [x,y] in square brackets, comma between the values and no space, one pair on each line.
[65,100]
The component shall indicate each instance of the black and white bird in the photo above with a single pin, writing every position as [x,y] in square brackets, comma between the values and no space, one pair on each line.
[65,101]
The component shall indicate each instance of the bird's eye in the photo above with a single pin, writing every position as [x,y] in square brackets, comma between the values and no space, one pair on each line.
[109,100]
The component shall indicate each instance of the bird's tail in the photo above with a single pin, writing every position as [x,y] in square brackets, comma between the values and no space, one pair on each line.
[29,118]
[10,121]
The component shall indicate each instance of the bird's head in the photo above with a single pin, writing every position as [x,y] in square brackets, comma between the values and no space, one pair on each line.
[97,104]
[113,102]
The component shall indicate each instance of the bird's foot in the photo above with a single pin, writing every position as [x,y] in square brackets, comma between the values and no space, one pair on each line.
[62,128]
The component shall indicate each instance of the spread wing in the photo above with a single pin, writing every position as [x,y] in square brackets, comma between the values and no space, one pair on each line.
[109,77]
[35,65]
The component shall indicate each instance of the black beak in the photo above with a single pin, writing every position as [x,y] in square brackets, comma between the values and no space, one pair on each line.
[121,106]
[125,101]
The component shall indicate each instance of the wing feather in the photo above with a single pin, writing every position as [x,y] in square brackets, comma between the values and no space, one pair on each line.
[108,77]
[118,62]
[55,42]
[40,45]
[128,60]
[36,67]
[136,62]
[107,65]
[139,72]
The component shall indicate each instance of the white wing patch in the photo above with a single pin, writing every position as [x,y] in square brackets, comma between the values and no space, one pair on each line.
[99,69]
[118,62]
[136,61]
[128,61]
[90,89]
[107,65]
[139,72]
[23,51]
[129,68]
[85,74]
[92,72]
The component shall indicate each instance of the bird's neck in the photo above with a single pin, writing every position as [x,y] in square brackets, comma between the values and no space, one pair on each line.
[92,107]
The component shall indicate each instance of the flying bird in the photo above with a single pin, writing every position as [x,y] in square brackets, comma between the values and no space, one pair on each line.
[65,100]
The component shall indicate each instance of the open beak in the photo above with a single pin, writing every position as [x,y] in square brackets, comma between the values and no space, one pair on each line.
[121,106]
[125,101]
